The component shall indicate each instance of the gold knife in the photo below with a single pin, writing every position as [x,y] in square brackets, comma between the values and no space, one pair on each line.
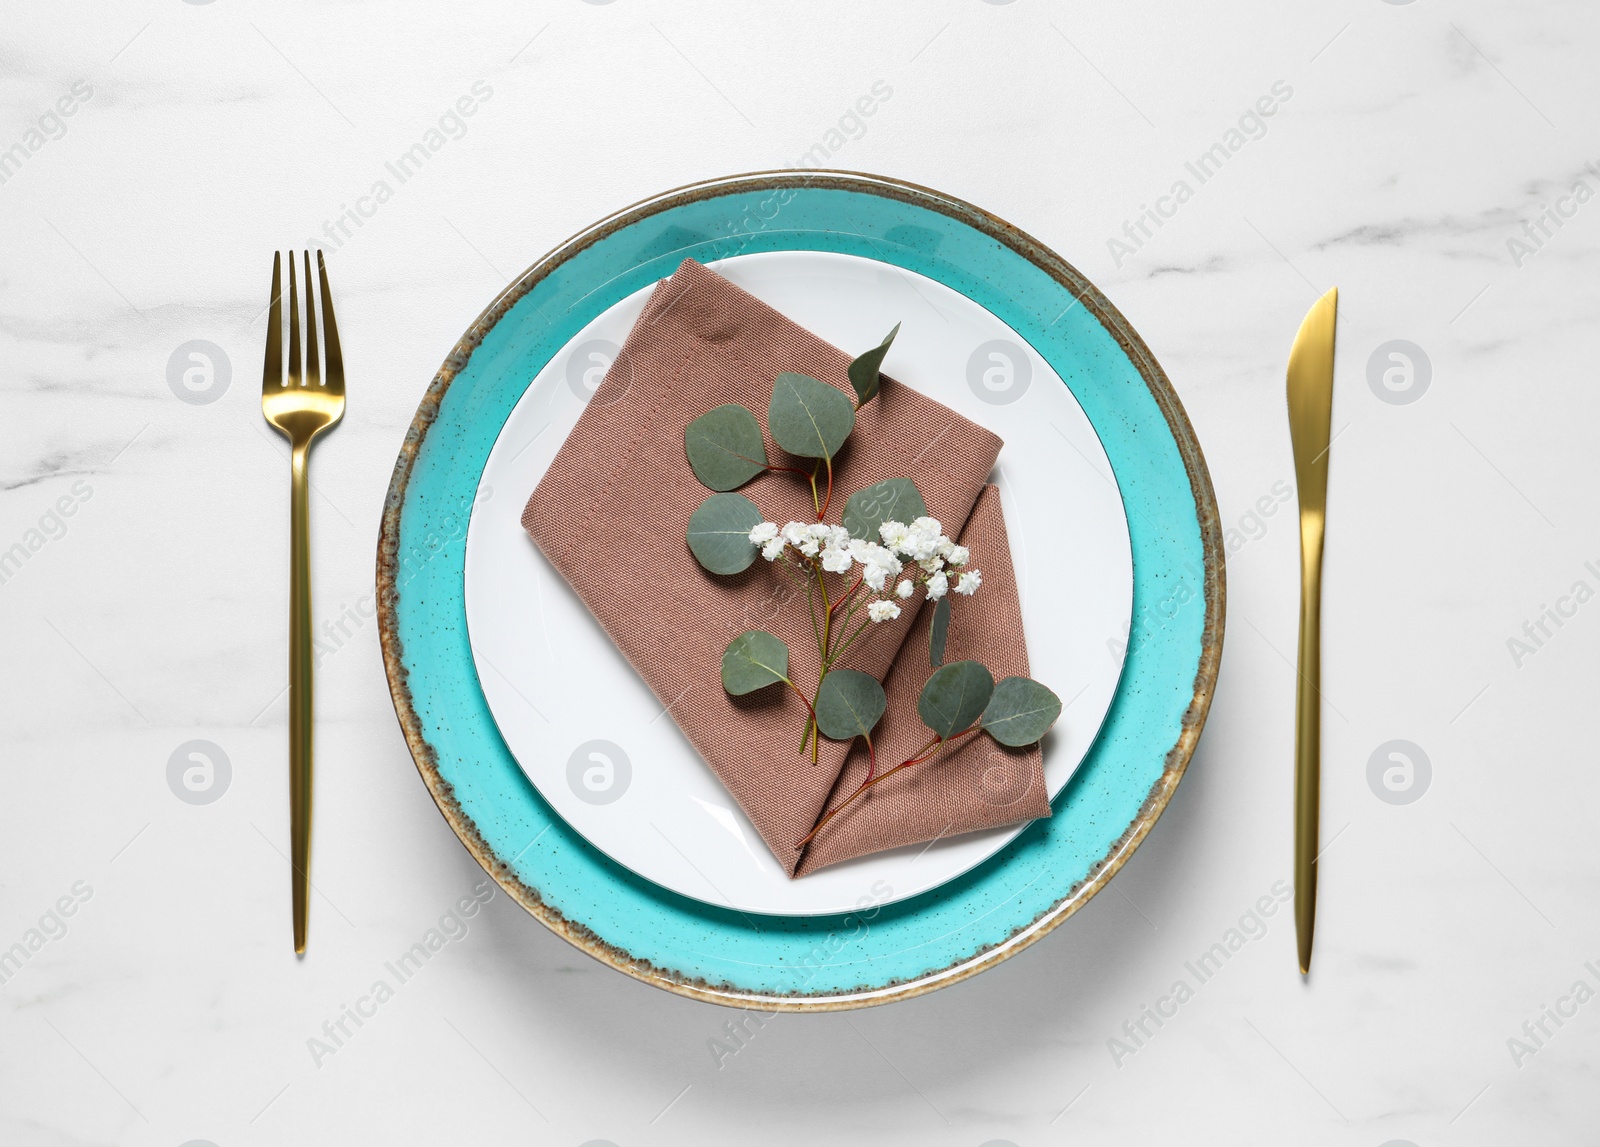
[1310,415]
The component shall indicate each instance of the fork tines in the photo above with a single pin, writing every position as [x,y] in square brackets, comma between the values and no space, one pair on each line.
[312,372]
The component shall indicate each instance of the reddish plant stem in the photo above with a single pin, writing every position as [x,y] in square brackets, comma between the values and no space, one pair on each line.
[828,497]
[950,740]
[807,703]
[928,751]
[848,594]
[931,750]
[788,470]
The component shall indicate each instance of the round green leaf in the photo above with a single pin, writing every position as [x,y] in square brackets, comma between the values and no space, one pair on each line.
[754,660]
[892,500]
[809,418]
[1020,712]
[724,447]
[954,697]
[719,533]
[939,631]
[849,704]
[864,370]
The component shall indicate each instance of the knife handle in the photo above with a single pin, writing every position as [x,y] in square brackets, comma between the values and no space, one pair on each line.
[1308,736]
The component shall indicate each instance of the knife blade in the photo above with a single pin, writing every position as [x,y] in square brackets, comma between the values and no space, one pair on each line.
[1310,418]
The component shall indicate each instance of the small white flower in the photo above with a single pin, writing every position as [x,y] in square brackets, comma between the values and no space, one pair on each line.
[835,561]
[969,583]
[903,590]
[880,565]
[943,546]
[895,535]
[932,565]
[922,540]
[807,539]
[764,533]
[839,537]
[937,585]
[869,554]
[959,555]
[772,549]
[883,611]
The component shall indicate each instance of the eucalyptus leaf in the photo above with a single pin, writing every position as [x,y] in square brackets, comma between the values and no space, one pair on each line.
[809,418]
[892,500]
[849,704]
[754,660]
[1020,712]
[724,447]
[954,697]
[719,533]
[864,371]
[939,631]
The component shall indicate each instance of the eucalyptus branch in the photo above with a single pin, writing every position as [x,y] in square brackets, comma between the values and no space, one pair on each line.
[885,529]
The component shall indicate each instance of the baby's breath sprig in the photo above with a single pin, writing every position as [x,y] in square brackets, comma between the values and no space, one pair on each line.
[920,551]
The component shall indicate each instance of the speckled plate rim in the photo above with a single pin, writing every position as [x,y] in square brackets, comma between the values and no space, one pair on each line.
[928,941]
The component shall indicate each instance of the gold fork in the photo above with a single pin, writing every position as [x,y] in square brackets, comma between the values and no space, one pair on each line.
[302,407]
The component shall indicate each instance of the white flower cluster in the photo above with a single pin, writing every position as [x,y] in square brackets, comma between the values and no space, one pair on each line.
[920,547]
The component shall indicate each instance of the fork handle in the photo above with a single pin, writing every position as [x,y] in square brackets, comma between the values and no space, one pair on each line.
[300,692]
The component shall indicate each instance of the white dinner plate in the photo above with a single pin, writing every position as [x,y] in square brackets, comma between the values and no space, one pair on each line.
[622,774]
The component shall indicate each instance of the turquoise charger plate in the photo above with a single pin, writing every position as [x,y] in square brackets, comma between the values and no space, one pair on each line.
[880,952]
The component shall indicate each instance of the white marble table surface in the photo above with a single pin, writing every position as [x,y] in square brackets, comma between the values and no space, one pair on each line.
[1421,155]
